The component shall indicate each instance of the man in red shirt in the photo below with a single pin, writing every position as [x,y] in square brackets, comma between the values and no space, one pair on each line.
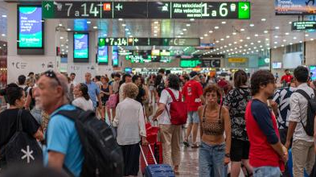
[267,155]
[193,95]
[287,78]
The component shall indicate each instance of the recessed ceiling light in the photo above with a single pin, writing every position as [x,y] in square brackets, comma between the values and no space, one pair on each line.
[120,19]
[95,27]
[227,37]
[259,41]
[291,43]
[275,47]
[4,16]
[88,22]
[287,34]
[282,45]
[129,33]
[284,40]
[126,29]
[68,29]
[230,44]
[290,23]
[265,31]
[60,24]
[306,35]
[242,29]
[267,39]
[211,31]
[188,25]
[294,38]
[275,42]
[251,43]
[263,19]
[248,38]
[301,41]
[276,36]
[130,36]
[267,44]
[155,35]
[201,37]
[235,42]
[62,45]
[222,39]
[256,35]
[192,19]
[251,25]
[61,37]
[312,39]
[184,29]
[217,41]
[157,31]
[241,40]
[156,27]
[123,24]
[105,35]
[181,33]
[223,22]
[277,27]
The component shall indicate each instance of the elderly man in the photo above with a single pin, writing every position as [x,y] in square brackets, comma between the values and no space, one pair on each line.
[94,91]
[63,147]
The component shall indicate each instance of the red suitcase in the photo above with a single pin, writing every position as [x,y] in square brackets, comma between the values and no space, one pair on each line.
[157,150]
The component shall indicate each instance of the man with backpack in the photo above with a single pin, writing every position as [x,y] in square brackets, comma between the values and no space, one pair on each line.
[300,122]
[76,141]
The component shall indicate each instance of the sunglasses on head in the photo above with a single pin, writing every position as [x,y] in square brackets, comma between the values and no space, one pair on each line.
[51,74]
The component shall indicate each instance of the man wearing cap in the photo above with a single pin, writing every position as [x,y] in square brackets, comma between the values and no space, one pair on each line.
[193,95]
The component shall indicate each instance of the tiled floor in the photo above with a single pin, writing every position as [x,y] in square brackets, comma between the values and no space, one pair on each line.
[189,162]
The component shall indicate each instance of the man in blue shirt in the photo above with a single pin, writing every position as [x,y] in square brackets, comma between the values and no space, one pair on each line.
[94,91]
[63,146]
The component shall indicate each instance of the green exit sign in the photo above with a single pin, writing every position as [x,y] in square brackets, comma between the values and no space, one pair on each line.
[191,63]
[244,10]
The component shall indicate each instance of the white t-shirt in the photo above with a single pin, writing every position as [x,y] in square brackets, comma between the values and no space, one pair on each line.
[83,104]
[166,99]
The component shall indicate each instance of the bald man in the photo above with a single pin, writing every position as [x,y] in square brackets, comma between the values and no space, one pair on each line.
[63,146]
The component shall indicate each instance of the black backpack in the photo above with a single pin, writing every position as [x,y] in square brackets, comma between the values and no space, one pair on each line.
[102,154]
[311,112]
[22,147]
[160,87]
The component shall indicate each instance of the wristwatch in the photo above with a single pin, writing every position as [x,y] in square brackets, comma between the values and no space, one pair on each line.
[227,155]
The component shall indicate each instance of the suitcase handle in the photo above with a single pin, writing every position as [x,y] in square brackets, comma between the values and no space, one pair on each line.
[151,152]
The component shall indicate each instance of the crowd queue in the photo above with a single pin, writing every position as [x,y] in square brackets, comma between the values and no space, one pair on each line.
[245,123]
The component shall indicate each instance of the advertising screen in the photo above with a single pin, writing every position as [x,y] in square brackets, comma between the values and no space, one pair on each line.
[276,65]
[312,69]
[103,57]
[115,56]
[81,47]
[295,7]
[30,27]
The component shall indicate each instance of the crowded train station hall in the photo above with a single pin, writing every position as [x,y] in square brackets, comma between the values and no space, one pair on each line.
[157,88]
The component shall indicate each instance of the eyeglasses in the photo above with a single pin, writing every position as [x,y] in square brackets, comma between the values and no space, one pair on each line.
[51,74]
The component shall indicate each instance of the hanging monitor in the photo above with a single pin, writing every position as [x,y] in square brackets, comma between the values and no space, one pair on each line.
[30,30]
[81,47]
[103,57]
[115,56]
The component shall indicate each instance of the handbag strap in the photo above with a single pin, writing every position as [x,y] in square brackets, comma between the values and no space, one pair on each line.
[19,127]
[172,95]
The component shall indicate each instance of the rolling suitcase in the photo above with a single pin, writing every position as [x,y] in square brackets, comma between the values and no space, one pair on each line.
[156,170]
[157,150]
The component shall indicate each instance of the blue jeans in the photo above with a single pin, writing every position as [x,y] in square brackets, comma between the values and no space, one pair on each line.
[211,160]
[266,171]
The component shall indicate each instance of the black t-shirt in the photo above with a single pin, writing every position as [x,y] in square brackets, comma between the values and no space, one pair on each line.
[8,124]
[141,94]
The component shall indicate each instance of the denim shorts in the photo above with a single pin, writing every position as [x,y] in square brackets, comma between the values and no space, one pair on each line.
[193,117]
[211,160]
[266,171]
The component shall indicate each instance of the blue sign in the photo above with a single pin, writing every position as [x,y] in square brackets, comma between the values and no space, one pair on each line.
[81,46]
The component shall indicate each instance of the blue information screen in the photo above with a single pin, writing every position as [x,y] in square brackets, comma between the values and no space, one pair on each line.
[115,57]
[312,69]
[81,46]
[103,57]
[30,27]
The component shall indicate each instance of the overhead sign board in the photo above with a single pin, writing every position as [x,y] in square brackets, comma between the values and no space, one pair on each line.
[295,7]
[109,41]
[237,60]
[212,63]
[152,10]
[204,63]
[304,25]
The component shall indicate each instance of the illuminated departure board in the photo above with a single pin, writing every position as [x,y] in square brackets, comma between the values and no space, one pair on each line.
[152,10]
[121,41]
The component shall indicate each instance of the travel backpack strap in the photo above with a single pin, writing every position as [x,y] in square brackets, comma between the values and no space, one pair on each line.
[302,92]
[172,95]
[19,127]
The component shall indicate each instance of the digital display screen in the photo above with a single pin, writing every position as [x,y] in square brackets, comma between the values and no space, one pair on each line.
[184,63]
[103,57]
[81,47]
[276,65]
[80,25]
[295,7]
[155,52]
[304,25]
[152,10]
[30,27]
[121,41]
[312,69]
[115,56]
[165,53]
[128,70]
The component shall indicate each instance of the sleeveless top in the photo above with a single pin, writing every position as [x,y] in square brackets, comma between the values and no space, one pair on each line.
[211,127]
[105,97]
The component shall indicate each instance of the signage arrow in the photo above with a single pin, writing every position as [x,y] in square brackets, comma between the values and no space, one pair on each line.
[245,7]
[47,6]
